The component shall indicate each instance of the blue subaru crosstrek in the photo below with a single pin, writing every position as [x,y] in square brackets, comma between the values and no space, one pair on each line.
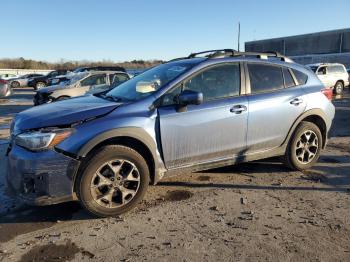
[206,110]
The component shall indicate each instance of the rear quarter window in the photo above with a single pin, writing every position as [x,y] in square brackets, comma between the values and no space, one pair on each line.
[300,77]
[288,79]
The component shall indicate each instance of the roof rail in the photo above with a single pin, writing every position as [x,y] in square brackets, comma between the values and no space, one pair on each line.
[261,55]
[193,55]
[219,53]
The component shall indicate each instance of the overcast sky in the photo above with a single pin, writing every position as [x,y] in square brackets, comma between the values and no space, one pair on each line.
[154,29]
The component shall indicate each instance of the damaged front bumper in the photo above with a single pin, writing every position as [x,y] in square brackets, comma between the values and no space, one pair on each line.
[41,178]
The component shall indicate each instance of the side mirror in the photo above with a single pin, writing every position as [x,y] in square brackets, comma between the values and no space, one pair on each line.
[189,97]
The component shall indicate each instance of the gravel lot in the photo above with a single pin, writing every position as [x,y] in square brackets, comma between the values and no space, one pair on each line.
[249,212]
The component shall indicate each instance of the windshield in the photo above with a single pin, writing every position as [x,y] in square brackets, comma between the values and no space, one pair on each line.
[150,81]
[75,77]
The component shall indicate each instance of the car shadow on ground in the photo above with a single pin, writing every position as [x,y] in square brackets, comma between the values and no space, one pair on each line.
[32,219]
[73,211]
[332,177]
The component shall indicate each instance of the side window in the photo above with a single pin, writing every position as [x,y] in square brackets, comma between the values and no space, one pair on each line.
[332,69]
[117,79]
[94,80]
[339,69]
[322,70]
[265,78]
[53,74]
[216,82]
[288,79]
[169,98]
[300,77]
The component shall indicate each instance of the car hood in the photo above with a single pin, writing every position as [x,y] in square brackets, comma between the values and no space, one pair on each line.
[63,113]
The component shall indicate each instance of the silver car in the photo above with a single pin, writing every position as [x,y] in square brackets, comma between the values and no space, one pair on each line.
[5,89]
[80,84]
[22,81]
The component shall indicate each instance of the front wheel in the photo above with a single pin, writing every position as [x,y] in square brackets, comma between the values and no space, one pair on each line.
[304,147]
[338,88]
[113,182]
[39,85]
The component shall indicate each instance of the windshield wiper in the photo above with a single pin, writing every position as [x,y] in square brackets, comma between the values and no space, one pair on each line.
[109,97]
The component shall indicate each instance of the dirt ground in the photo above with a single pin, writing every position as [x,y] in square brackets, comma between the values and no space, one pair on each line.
[257,211]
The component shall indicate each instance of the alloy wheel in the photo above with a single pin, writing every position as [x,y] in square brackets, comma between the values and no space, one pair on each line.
[338,88]
[115,183]
[306,147]
[40,85]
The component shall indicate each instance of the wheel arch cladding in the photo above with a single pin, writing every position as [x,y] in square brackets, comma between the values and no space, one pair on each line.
[127,141]
[315,116]
[320,123]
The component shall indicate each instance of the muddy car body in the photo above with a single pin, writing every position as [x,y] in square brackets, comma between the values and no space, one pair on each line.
[188,114]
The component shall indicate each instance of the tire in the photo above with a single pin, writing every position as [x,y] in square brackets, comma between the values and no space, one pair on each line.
[338,88]
[15,84]
[294,157]
[89,184]
[39,85]
[61,98]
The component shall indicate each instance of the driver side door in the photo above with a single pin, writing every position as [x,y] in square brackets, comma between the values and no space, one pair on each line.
[212,131]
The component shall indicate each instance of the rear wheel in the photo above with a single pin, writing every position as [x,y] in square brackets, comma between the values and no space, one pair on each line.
[338,88]
[61,98]
[304,147]
[114,181]
[15,84]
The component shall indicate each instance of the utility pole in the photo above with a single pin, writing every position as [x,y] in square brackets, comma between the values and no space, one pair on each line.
[239,34]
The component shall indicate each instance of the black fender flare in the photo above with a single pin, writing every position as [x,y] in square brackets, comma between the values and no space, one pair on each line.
[312,112]
[132,132]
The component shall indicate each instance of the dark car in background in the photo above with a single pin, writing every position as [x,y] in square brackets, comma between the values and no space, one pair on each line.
[42,81]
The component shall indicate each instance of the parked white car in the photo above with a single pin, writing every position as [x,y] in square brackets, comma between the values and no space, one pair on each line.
[332,75]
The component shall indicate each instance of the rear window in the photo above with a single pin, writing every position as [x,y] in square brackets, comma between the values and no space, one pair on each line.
[300,77]
[265,78]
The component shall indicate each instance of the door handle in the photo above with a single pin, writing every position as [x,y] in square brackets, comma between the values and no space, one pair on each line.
[238,109]
[296,101]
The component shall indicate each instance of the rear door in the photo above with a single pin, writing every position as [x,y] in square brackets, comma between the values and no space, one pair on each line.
[213,130]
[275,103]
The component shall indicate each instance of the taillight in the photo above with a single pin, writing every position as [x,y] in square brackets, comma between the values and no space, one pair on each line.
[328,93]
[2,81]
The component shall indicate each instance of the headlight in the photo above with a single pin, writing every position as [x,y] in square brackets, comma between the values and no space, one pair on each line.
[41,140]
